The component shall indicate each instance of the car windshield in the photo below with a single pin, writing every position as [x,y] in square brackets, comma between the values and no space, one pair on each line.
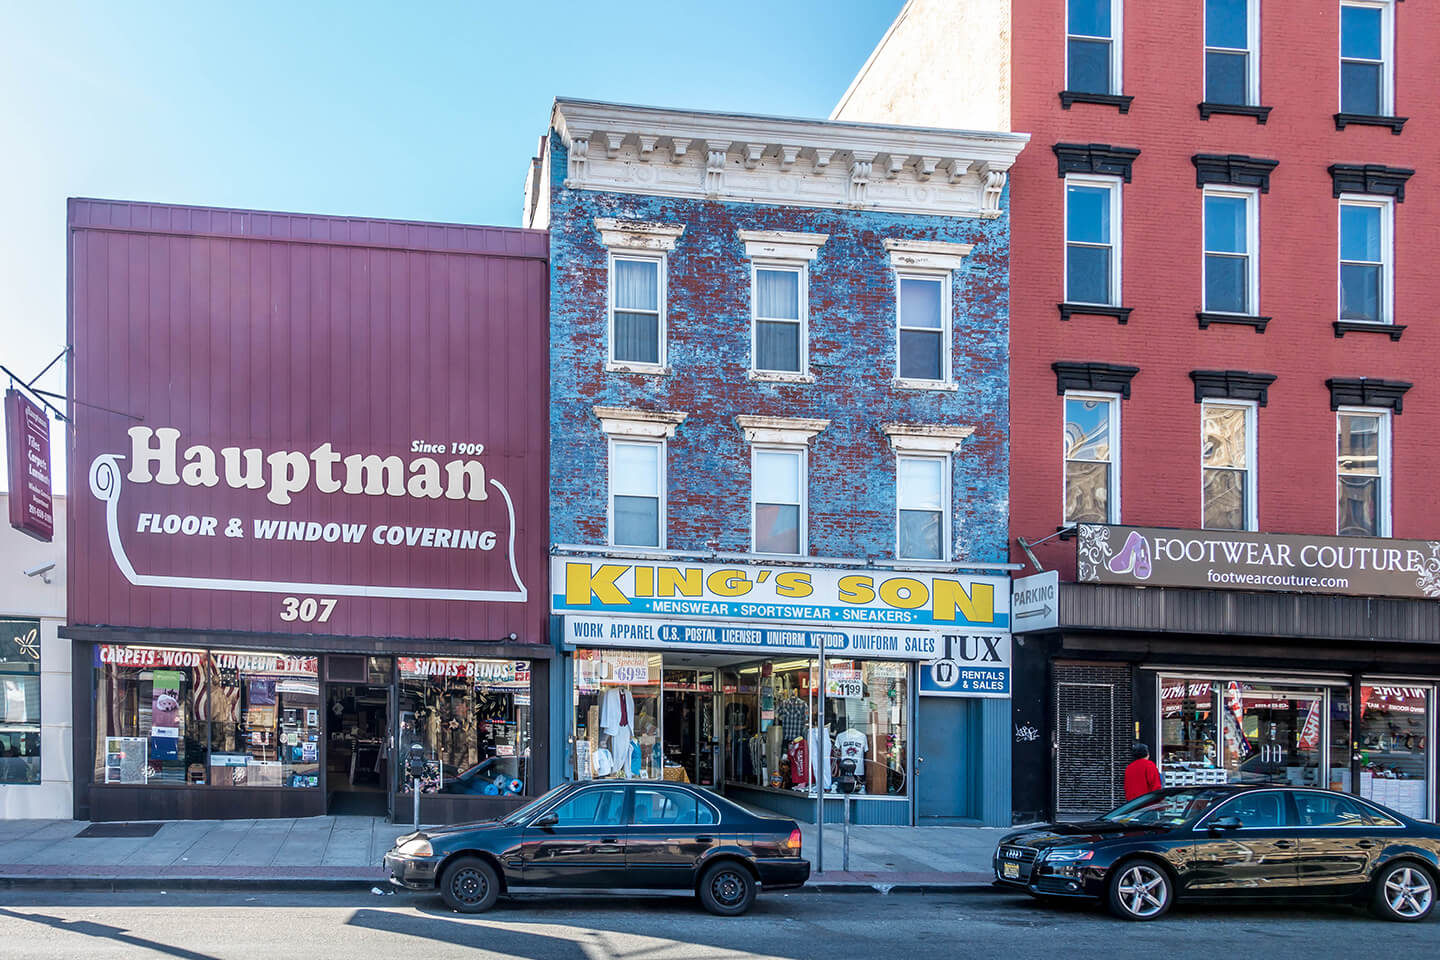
[515,816]
[1170,808]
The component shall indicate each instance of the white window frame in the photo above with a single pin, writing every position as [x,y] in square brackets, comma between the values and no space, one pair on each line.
[784,266]
[946,469]
[660,488]
[1251,196]
[1252,50]
[1252,472]
[1386,205]
[1117,234]
[1117,47]
[1113,497]
[803,452]
[947,324]
[1387,421]
[1387,54]
[660,260]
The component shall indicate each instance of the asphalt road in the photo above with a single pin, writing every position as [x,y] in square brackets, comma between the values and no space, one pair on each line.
[799,925]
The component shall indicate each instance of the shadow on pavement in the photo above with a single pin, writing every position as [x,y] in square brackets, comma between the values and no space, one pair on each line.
[89,928]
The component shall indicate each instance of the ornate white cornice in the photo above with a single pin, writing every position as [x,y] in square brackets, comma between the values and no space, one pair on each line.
[638,234]
[779,160]
[645,424]
[925,437]
[782,244]
[795,431]
[930,254]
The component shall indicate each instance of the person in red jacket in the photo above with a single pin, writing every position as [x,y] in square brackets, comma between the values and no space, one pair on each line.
[1141,776]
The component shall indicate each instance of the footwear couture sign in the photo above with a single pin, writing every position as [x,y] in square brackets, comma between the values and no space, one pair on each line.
[1239,560]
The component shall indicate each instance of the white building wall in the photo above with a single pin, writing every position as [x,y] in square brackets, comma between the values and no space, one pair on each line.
[27,597]
[942,63]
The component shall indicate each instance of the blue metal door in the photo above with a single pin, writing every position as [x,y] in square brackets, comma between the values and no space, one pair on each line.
[942,774]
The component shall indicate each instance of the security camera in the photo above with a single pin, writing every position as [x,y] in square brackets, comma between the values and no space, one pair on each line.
[42,571]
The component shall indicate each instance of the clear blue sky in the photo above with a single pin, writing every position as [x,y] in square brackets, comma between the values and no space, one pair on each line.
[424,111]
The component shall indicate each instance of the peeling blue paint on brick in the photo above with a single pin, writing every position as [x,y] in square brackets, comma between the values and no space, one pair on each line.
[852,348]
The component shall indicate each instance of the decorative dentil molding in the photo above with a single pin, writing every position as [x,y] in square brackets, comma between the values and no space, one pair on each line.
[638,234]
[790,431]
[925,437]
[776,160]
[625,422]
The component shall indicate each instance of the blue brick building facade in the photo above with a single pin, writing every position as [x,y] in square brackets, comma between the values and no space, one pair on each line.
[697,206]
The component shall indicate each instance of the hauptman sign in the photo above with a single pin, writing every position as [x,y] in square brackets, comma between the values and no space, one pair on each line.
[1236,560]
[329,426]
[27,447]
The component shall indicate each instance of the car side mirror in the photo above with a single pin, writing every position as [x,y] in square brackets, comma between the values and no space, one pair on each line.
[1221,824]
[548,820]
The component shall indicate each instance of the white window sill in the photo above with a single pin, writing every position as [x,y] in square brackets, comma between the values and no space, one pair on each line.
[780,376]
[900,383]
[616,366]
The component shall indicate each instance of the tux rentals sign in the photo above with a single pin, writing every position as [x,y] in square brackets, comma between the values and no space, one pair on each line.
[1240,560]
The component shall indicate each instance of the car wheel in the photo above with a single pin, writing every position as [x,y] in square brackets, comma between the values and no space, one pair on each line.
[1140,890]
[727,889]
[469,885]
[1404,892]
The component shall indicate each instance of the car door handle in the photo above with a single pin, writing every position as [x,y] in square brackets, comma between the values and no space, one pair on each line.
[1367,844]
[1284,844]
[703,838]
[609,839]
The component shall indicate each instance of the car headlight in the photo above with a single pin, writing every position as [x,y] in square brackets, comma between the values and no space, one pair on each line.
[418,847]
[1068,854]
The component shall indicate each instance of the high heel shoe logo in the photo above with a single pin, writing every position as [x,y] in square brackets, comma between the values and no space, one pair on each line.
[1133,558]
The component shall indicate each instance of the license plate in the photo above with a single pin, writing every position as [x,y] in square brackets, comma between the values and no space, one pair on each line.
[1010,871]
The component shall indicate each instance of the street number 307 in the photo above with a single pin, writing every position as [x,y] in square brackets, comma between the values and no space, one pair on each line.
[308,610]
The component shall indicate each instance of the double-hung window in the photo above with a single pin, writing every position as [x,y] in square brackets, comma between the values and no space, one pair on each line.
[637,309]
[1363,472]
[779,305]
[1227,466]
[1367,31]
[1231,232]
[1092,240]
[1365,260]
[922,500]
[923,334]
[1092,46]
[1232,46]
[1092,458]
[637,493]
[778,500]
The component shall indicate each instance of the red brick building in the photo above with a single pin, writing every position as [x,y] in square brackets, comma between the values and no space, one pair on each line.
[1218,323]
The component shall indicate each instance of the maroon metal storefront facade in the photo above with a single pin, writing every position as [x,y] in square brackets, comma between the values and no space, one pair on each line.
[329,438]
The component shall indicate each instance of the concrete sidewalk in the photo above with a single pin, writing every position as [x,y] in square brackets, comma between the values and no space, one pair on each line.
[316,852]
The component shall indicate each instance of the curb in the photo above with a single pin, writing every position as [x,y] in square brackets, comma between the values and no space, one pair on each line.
[357,884]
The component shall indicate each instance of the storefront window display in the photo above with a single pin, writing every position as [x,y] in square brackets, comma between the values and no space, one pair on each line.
[473,719]
[1393,734]
[151,712]
[617,716]
[20,708]
[264,720]
[206,718]
[1233,731]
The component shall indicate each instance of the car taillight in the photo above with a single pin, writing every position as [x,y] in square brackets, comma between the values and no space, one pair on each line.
[792,842]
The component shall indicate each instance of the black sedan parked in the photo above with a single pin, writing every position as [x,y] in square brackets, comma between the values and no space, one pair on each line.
[1231,842]
[609,835]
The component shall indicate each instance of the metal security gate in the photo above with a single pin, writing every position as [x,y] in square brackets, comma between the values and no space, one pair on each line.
[1092,738]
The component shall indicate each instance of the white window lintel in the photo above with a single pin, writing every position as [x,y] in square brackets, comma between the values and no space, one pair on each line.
[925,438]
[927,254]
[647,235]
[781,431]
[624,423]
[782,244]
